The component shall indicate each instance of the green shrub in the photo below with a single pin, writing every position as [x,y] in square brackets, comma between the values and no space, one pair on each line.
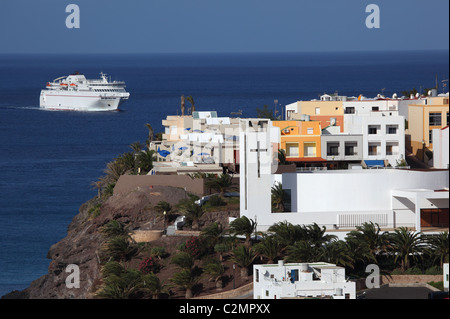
[434,270]
[159,252]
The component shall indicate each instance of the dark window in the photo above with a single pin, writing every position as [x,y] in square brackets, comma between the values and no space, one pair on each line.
[350,150]
[287,200]
[349,110]
[372,130]
[392,130]
[435,119]
[333,150]
[294,275]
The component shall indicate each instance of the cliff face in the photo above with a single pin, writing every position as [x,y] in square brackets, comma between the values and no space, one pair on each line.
[83,242]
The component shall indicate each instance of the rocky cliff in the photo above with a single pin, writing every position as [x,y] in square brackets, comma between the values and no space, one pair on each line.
[84,240]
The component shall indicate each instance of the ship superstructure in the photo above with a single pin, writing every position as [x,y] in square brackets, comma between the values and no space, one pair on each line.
[75,92]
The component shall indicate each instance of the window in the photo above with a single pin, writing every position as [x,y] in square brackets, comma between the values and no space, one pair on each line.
[350,148]
[287,202]
[391,129]
[292,149]
[349,110]
[372,129]
[389,150]
[257,275]
[375,108]
[392,148]
[309,149]
[317,110]
[289,114]
[435,119]
[333,149]
[430,136]
[294,275]
[310,130]
[373,149]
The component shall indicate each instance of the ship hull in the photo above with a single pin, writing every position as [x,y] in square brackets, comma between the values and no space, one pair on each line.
[78,102]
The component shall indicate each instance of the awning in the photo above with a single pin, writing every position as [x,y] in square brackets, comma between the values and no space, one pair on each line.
[374,163]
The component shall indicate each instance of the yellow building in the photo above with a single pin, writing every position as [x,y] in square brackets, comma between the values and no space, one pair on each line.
[300,140]
[422,119]
[328,105]
[175,126]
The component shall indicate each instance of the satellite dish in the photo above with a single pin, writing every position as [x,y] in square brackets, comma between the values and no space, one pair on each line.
[333,121]
[394,96]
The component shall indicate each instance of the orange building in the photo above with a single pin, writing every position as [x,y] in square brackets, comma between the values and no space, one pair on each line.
[300,140]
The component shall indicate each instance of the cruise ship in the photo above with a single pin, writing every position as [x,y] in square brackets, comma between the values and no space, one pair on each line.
[75,92]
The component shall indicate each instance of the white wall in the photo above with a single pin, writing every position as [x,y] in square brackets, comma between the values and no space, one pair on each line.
[440,148]
[321,197]
[354,124]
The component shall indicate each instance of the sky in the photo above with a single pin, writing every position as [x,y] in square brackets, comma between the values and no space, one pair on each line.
[210,26]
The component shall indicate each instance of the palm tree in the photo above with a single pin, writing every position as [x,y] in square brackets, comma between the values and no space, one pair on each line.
[405,245]
[316,235]
[243,226]
[114,228]
[287,233]
[119,248]
[152,285]
[183,260]
[282,157]
[120,283]
[243,256]
[151,134]
[114,170]
[368,237]
[303,251]
[128,160]
[193,213]
[136,147]
[216,270]
[145,160]
[222,183]
[278,197]
[185,279]
[221,248]
[269,248]
[213,233]
[338,252]
[164,209]
[439,247]
[190,99]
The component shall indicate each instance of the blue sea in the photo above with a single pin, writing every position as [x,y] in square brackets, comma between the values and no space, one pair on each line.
[48,159]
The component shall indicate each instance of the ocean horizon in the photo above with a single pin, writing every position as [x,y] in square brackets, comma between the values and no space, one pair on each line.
[48,159]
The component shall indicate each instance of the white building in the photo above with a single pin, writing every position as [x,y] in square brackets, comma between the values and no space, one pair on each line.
[338,199]
[383,134]
[258,162]
[440,148]
[298,280]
